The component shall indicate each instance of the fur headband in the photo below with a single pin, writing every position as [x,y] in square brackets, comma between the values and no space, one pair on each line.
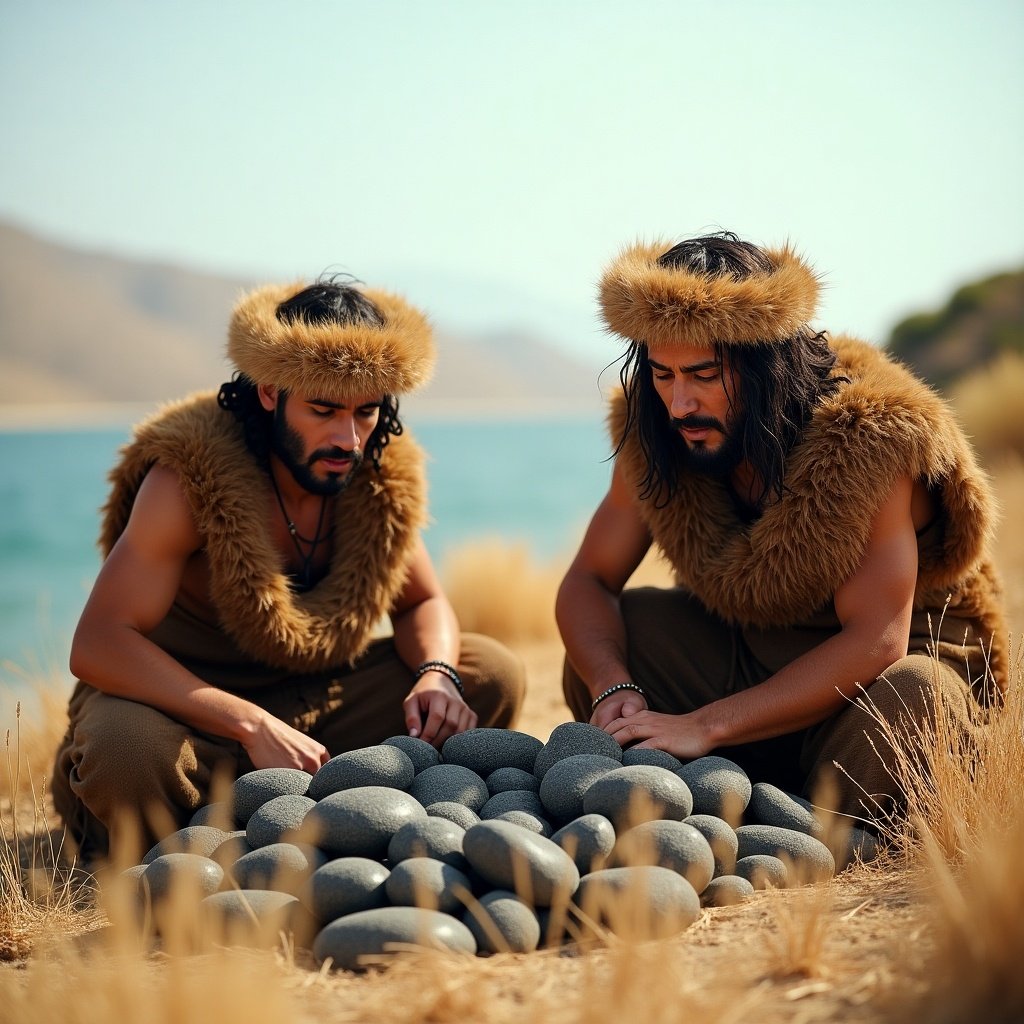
[645,302]
[329,360]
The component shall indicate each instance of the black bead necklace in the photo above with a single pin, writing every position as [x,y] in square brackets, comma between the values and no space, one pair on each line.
[303,580]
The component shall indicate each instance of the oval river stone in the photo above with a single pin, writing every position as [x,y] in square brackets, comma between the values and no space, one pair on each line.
[360,822]
[486,750]
[382,765]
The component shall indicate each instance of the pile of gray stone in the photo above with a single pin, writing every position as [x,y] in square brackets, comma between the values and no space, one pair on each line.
[498,842]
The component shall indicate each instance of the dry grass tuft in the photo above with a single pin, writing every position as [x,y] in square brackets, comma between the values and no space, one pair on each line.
[989,405]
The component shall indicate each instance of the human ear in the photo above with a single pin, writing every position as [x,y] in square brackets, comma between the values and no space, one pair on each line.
[268,396]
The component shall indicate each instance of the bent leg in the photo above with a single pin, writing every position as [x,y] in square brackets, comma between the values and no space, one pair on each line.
[124,766]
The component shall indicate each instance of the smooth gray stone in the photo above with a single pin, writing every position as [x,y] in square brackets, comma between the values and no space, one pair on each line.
[719,787]
[220,815]
[524,819]
[510,857]
[451,783]
[360,822]
[588,839]
[810,857]
[502,780]
[726,891]
[627,796]
[668,844]
[284,867]
[277,820]
[502,923]
[343,886]
[424,882]
[647,755]
[860,845]
[250,791]
[381,765]
[653,901]
[420,752]
[198,839]
[571,738]
[513,800]
[259,914]
[566,781]
[770,805]
[373,932]
[486,750]
[430,837]
[721,837]
[763,871]
[183,872]
[235,845]
[454,812]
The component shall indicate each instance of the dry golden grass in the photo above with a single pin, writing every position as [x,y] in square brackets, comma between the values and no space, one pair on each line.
[990,403]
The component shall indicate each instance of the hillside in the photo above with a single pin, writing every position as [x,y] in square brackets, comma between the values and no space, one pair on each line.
[82,327]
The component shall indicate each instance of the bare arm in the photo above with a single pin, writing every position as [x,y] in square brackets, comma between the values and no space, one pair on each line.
[874,607]
[426,629]
[587,607]
[133,592]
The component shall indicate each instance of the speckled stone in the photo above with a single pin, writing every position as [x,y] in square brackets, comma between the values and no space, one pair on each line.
[770,805]
[259,915]
[252,790]
[668,844]
[571,738]
[524,819]
[420,752]
[486,750]
[721,837]
[726,891]
[502,923]
[451,783]
[763,872]
[235,845]
[437,838]
[184,872]
[503,780]
[220,815]
[343,886]
[277,820]
[360,822]
[370,933]
[567,780]
[639,901]
[860,845]
[457,813]
[811,858]
[638,793]
[588,839]
[719,787]
[646,755]
[510,857]
[381,765]
[513,800]
[198,839]
[424,882]
[284,867]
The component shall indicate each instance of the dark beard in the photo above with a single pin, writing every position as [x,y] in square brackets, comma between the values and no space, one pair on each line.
[696,457]
[286,444]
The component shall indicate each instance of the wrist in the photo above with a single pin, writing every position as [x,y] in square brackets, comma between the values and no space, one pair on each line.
[624,688]
[436,667]
[711,726]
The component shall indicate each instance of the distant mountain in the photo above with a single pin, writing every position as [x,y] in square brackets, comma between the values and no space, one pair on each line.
[85,327]
[981,321]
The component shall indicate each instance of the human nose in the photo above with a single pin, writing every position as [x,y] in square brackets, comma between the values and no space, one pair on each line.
[684,401]
[344,435]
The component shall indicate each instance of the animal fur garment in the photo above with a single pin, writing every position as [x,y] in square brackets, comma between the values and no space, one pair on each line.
[660,306]
[376,524]
[881,426]
[328,360]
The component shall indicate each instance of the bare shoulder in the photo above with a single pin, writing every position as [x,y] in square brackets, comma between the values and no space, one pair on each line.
[161,520]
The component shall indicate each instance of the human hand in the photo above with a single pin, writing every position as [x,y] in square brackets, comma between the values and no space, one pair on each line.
[623,704]
[275,744]
[434,709]
[680,735]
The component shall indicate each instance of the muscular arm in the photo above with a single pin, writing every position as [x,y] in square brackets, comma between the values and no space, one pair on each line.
[133,592]
[587,607]
[874,607]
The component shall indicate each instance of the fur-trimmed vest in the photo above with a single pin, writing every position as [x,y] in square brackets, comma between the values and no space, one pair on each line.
[787,565]
[376,524]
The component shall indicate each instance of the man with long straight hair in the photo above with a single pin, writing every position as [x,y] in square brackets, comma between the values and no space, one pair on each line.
[821,511]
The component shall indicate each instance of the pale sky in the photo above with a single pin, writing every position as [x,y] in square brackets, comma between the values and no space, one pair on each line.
[488,159]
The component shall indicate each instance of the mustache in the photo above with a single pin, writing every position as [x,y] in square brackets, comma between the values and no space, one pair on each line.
[698,423]
[336,453]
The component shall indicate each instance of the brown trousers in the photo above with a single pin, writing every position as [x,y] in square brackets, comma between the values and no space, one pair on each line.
[684,657]
[121,760]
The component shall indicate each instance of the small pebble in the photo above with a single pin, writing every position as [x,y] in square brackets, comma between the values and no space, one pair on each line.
[726,891]
[504,779]
[502,923]
[763,871]
[719,787]
[255,788]
[588,839]
[424,882]
[811,859]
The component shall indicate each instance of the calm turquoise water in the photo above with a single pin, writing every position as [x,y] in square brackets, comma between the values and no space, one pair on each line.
[528,480]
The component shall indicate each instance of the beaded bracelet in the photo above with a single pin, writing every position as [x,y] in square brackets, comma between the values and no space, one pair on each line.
[445,669]
[615,689]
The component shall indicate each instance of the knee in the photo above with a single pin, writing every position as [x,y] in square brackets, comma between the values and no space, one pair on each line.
[496,679]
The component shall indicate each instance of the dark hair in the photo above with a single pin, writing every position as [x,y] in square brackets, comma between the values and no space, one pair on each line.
[780,383]
[329,300]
